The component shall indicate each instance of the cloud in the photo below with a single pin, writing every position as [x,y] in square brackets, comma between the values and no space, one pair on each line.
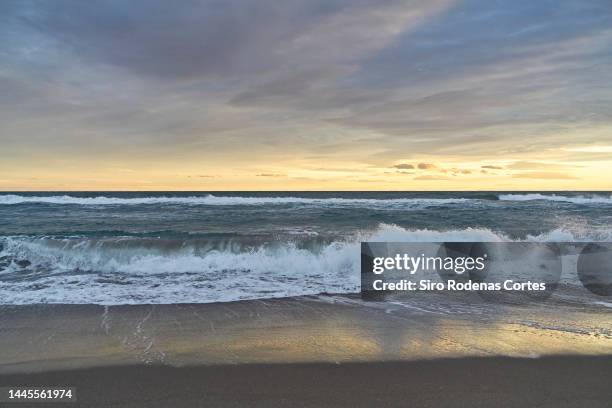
[222,39]
[426,166]
[466,96]
[531,165]
[544,175]
[191,74]
[334,81]
[404,166]
[186,40]
[490,167]
[430,177]
[590,149]
[271,175]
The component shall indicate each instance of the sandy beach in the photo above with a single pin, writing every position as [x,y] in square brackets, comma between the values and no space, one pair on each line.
[327,329]
[467,382]
[307,351]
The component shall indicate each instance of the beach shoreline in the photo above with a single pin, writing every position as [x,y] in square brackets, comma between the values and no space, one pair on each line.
[308,329]
[310,351]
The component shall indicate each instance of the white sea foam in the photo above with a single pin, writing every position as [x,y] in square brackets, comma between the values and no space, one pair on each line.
[209,199]
[578,199]
[102,272]
[83,273]
[12,199]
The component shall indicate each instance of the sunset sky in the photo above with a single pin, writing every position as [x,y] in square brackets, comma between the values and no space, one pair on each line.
[306,95]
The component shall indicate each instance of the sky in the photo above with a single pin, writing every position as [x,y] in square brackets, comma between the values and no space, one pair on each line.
[305,95]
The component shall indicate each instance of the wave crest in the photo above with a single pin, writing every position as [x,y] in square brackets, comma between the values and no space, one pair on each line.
[12,199]
[578,199]
[126,270]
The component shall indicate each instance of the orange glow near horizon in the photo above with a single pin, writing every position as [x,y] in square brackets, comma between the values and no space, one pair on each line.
[402,176]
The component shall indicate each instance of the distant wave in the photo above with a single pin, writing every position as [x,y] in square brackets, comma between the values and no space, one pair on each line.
[578,199]
[129,271]
[12,199]
[212,200]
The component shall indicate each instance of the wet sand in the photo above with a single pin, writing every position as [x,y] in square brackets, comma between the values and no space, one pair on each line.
[329,351]
[292,330]
[469,382]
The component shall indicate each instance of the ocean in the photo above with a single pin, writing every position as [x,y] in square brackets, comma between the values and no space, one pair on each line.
[202,247]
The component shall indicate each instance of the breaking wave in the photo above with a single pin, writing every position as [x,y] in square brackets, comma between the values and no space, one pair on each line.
[217,200]
[12,199]
[577,199]
[130,271]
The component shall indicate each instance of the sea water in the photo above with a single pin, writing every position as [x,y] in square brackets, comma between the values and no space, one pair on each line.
[201,247]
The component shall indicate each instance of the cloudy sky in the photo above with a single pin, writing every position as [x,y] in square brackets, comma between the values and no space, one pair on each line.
[305,95]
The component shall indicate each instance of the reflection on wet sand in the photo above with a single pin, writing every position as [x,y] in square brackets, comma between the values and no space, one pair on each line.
[330,329]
